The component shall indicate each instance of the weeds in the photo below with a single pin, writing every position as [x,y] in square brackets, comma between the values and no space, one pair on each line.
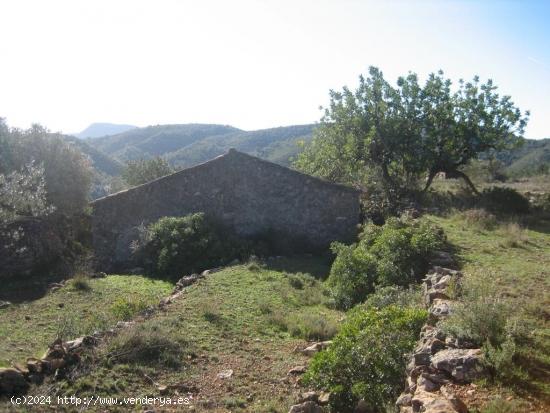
[80,283]
[125,308]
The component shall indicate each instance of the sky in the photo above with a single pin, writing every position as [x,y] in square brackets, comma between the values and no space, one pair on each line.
[253,64]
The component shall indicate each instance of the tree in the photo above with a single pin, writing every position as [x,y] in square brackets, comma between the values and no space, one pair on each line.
[145,170]
[66,170]
[397,134]
[23,193]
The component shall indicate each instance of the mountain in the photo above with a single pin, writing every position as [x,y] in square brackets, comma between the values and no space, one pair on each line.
[100,162]
[96,130]
[532,158]
[189,144]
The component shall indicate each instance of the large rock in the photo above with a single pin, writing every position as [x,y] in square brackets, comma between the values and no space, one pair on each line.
[464,365]
[12,382]
[315,348]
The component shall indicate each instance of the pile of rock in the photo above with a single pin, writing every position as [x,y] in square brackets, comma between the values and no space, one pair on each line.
[439,360]
[57,361]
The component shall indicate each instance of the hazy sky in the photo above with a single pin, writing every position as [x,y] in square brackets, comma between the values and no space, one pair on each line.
[253,64]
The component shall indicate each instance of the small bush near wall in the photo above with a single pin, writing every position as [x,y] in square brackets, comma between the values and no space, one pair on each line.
[366,359]
[174,246]
[396,253]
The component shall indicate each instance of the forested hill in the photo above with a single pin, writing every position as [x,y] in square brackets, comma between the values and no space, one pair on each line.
[96,130]
[532,158]
[190,144]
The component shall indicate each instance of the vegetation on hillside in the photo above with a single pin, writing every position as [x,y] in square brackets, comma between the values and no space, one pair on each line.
[145,170]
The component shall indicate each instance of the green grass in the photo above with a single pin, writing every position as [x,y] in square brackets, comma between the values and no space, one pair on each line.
[27,328]
[223,322]
[517,259]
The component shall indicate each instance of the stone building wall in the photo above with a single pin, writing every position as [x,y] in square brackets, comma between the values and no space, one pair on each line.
[249,195]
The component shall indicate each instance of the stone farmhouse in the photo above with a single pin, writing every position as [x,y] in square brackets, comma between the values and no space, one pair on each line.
[247,194]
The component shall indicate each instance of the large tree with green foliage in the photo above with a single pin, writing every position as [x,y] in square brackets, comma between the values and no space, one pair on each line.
[396,134]
[36,164]
[145,170]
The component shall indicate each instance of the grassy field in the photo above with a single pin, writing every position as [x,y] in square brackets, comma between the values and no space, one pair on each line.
[28,327]
[247,320]
[515,257]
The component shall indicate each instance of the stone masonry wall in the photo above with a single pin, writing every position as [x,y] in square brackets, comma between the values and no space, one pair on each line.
[249,195]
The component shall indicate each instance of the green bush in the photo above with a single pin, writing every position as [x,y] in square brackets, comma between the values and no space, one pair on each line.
[311,326]
[395,295]
[178,245]
[396,253]
[504,200]
[125,308]
[367,358]
[146,345]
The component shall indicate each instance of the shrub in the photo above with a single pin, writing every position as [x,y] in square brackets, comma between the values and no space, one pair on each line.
[125,308]
[311,326]
[394,254]
[176,245]
[367,357]
[80,283]
[481,315]
[479,218]
[395,295]
[501,406]
[504,200]
[514,235]
[146,345]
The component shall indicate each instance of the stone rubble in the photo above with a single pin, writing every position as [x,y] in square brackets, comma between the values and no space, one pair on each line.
[439,360]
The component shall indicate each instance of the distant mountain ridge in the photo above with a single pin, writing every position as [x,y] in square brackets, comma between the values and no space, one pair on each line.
[96,130]
[189,144]
[185,145]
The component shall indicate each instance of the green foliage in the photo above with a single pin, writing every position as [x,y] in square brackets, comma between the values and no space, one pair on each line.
[23,193]
[395,295]
[145,170]
[66,170]
[311,326]
[179,245]
[367,357]
[394,254]
[125,308]
[501,406]
[146,345]
[80,283]
[504,200]
[399,133]
[481,314]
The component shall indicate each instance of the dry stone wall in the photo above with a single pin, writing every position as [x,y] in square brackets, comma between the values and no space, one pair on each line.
[247,194]
[439,362]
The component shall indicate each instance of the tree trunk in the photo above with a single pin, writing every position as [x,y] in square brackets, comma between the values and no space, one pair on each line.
[467,180]
[431,177]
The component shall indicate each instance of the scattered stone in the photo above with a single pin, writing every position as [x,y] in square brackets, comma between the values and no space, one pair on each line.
[98,275]
[324,398]
[4,304]
[306,407]
[163,390]
[187,281]
[309,396]
[404,400]
[427,385]
[225,374]
[440,308]
[12,382]
[84,341]
[316,347]
[124,324]
[297,370]
[457,403]
[210,271]
[464,365]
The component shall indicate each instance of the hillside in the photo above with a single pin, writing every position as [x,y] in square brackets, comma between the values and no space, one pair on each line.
[190,144]
[532,158]
[96,130]
[100,162]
